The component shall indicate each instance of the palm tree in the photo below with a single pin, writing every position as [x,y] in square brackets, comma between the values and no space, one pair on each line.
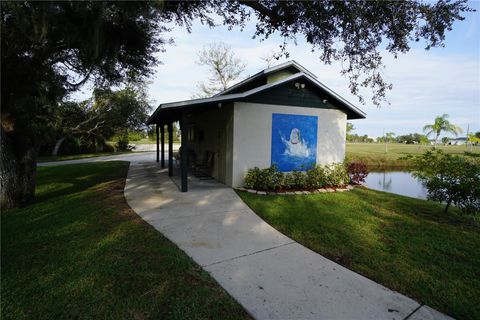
[440,125]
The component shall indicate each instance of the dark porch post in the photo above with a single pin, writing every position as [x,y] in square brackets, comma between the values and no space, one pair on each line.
[162,151]
[170,148]
[184,155]
[156,131]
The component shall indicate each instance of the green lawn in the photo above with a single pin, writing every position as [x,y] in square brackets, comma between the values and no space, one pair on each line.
[81,253]
[374,153]
[78,156]
[406,244]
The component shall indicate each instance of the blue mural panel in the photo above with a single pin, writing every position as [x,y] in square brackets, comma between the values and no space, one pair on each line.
[294,141]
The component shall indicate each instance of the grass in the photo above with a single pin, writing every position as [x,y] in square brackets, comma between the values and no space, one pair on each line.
[406,244]
[374,153]
[80,252]
[78,156]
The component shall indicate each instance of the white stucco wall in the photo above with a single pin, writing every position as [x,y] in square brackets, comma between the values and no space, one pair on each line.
[252,135]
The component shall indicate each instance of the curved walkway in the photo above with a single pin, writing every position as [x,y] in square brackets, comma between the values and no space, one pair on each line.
[272,276]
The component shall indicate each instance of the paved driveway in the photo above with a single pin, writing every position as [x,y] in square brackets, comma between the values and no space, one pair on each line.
[272,276]
[133,157]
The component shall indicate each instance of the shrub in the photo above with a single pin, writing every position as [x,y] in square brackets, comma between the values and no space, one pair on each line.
[335,174]
[288,181]
[319,176]
[251,178]
[357,172]
[273,179]
[450,179]
[134,136]
[298,179]
[316,177]
[122,143]
[263,179]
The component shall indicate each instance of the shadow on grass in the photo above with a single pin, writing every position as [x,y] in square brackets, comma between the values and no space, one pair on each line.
[406,244]
[61,180]
[80,252]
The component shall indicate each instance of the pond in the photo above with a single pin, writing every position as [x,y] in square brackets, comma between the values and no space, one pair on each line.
[399,182]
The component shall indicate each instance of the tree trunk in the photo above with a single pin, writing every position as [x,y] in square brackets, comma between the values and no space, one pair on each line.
[435,142]
[17,172]
[449,202]
[58,144]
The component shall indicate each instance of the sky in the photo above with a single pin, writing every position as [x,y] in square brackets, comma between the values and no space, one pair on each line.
[426,84]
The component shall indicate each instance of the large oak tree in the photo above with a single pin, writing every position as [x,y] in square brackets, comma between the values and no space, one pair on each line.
[50,49]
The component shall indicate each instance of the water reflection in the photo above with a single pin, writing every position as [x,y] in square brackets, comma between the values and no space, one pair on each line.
[399,182]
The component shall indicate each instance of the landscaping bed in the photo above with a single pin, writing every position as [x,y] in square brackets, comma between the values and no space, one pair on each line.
[408,245]
[80,252]
[281,192]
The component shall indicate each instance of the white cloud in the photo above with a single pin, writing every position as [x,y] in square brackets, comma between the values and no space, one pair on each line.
[425,83]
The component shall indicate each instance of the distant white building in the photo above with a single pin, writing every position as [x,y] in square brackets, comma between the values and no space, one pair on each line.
[461,141]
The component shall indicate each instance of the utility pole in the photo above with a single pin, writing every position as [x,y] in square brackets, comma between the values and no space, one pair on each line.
[468,131]
[385,141]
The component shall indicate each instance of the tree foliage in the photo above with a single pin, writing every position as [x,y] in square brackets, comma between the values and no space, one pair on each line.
[450,179]
[50,49]
[99,118]
[473,138]
[412,138]
[349,129]
[354,31]
[223,68]
[441,124]
[387,137]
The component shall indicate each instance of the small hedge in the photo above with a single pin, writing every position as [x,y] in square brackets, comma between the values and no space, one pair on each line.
[270,179]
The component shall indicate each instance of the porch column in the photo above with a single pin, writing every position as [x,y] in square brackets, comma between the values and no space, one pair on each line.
[184,152]
[156,132]
[170,148]
[162,151]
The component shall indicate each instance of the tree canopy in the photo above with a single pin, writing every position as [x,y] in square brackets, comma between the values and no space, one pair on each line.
[223,68]
[441,124]
[107,113]
[50,49]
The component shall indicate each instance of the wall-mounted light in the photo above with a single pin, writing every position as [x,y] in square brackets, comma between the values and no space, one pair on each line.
[325,101]
[299,85]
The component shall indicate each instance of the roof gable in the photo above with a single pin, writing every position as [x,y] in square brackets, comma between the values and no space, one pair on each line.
[268,75]
[281,88]
[303,91]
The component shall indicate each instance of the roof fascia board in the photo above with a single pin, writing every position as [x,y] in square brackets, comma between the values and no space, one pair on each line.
[289,64]
[266,72]
[245,94]
[249,79]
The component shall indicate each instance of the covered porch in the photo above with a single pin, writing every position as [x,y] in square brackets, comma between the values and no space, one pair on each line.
[205,142]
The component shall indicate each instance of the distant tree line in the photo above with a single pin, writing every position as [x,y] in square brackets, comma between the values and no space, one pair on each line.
[412,138]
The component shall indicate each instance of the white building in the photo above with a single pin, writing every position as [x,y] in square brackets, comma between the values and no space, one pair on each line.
[280,116]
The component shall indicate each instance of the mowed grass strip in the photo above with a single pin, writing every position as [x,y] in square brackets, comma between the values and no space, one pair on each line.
[374,154]
[406,244]
[80,252]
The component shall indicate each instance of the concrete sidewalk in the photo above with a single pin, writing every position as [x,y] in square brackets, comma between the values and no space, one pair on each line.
[272,276]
